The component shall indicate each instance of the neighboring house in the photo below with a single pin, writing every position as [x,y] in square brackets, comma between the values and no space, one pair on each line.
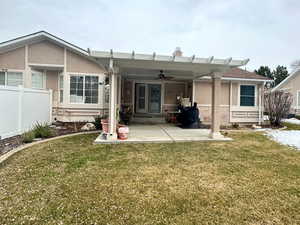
[149,83]
[291,84]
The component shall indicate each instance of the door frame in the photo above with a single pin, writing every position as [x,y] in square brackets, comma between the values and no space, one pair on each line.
[148,82]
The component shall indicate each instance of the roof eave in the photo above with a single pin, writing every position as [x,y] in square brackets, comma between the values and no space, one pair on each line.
[46,35]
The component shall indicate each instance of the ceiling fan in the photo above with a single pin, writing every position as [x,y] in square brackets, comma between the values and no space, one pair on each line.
[162,76]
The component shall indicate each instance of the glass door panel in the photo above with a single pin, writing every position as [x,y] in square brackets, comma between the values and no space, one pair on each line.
[141,98]
[154,98]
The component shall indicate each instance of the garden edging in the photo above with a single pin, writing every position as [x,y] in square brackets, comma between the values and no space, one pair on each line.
[22,147]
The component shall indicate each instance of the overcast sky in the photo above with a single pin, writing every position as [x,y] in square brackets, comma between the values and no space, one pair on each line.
[266,31]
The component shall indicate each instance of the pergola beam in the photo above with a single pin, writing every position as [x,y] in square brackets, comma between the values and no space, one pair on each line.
[163,58]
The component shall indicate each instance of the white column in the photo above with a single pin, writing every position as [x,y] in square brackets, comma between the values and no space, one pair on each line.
[215,106]
[66,81]
[119,90]
[112,103]
[27,74]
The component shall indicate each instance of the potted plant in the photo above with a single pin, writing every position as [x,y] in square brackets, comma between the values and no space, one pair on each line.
[104,123]
[125,114]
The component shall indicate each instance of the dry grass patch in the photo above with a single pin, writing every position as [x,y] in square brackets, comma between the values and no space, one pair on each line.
[251,180]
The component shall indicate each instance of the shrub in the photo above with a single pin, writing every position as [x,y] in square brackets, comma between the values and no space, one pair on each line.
[277,105]
[28,136]
[43,131]
[97,122]
[297,117]
[235,125]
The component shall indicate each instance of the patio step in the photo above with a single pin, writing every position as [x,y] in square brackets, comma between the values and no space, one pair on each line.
[139,119]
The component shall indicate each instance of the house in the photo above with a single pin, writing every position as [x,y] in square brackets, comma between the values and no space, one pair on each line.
[291,84]
[150,84]
[43,61]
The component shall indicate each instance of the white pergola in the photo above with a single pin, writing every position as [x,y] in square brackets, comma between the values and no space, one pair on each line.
[182,67]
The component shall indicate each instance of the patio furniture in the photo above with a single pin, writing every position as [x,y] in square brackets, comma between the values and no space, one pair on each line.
[171,116]
[189,117]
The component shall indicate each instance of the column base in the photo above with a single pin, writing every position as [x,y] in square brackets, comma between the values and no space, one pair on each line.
[112,137]
[216,135]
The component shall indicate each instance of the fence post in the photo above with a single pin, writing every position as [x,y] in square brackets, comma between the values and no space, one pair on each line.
[20,106]
[50,105]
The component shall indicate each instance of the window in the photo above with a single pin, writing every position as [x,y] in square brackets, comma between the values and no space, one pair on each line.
[11,78]
[91,89]
[61,88]
[84,89]
[37,80]
[247,95]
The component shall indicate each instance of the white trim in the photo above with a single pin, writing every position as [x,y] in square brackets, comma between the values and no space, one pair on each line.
[27,72]
[66,99]
[46,65]
[244,79]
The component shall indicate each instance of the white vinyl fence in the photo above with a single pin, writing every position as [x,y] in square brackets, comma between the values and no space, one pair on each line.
[21,108]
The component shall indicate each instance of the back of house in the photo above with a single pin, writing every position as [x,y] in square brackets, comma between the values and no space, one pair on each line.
[77,80]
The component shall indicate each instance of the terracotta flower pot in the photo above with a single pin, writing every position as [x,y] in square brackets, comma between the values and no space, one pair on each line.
[104,123]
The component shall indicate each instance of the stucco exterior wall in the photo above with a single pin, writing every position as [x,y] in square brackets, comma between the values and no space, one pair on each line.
[79,64]
[45,52]
[14,59]
[52,83]
[127,92]
[172,90]
[203,92]
[235,93]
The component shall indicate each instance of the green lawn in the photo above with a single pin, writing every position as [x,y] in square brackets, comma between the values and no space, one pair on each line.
[291,126]
[250,180]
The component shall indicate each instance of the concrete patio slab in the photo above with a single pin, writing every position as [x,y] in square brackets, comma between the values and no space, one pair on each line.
[161,133]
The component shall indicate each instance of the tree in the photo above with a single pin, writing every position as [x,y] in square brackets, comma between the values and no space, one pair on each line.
[277,105]
[279,74]
[264,71]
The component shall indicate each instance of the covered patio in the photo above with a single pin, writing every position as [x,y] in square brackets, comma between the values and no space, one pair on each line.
[162,133]
[146,69]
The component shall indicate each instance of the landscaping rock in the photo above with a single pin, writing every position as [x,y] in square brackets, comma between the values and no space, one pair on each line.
[254,126]
[88,126]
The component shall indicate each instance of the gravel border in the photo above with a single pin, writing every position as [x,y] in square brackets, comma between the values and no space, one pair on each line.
[5,156]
